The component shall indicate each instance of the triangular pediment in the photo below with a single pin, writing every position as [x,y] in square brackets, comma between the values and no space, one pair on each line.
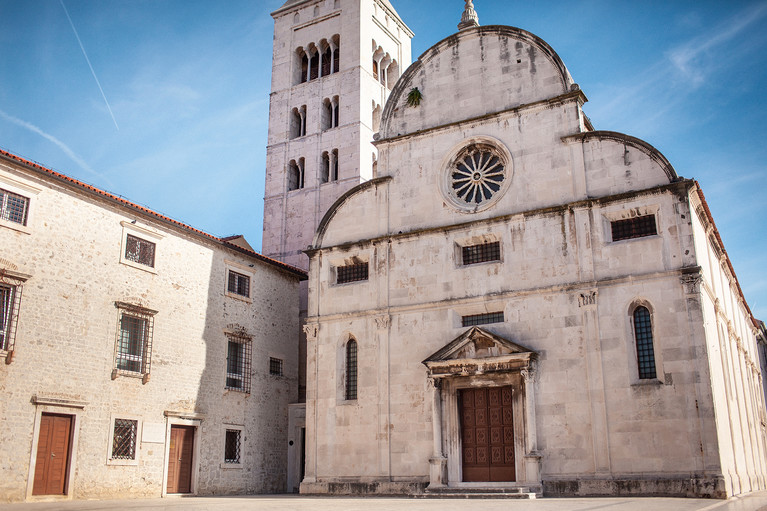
[476,343]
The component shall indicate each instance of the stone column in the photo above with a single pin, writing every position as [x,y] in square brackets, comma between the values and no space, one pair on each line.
[532,456]
[438,461]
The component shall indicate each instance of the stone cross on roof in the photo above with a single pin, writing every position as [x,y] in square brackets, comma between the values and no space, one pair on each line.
[469,18]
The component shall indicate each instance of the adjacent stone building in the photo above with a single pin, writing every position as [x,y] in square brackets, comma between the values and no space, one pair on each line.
[519,301]
[141,357]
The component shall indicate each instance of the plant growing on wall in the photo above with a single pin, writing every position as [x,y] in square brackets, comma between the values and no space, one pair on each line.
[414,97]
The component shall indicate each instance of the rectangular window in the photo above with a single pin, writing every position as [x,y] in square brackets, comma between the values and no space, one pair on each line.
[232,446]
[139,250]
[351,273]
[637,227]
[239,284]
[124,439]
[13,207]
[482,319]
[482,253]
[134,339]
[238,364]
[275,366]
[6,312]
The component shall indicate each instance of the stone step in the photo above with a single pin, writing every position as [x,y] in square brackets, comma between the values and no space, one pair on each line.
[520,492]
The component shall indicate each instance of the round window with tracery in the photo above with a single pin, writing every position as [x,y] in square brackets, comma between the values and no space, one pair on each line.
[477,175]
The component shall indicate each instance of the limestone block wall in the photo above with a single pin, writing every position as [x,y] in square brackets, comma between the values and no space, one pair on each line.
[70,257]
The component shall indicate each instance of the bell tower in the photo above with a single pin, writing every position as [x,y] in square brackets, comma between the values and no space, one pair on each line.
[333,66]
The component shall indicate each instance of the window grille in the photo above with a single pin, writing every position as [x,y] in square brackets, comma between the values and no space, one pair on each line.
[133,349]
[275,366]
[139,250]
[238,364]
[482,319]
[351,370]
[351,273]
[232,446]
[13,207]
[10,297]
[124,439]
[644,342]
[239,284]
[490,251]
[637,227]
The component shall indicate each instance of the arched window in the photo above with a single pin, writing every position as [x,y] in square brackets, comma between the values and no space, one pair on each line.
[376,118]
[336,53]
[375,69]
[335,111]
[294,175]
[295,123]
[334,166]
[351,370]
[304,67]
[325,169]
[314,67]
[644,343]
[327,61]
[327,114]
[303,121]
[301,172]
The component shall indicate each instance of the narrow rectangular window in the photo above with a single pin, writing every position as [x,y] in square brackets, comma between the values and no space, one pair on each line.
[351,370]
[133,349]
[275,366]
[482,253]
[13,207]
[637,227]
[239,284]
[232,446]
[238,363]
[351,273]
[644,343]
[139,250]
[124,439]
[482,319]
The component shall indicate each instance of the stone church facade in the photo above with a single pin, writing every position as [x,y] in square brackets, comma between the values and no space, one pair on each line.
[139,357]
[518,301]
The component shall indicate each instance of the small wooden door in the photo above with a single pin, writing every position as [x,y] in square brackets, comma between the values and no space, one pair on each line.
[180,459]
[52,465]
[487,433]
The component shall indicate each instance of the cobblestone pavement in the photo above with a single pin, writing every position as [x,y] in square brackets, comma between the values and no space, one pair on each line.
[753,502]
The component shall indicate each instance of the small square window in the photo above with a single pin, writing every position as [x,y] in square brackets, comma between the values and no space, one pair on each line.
[275,366]
[351,273]
[124,438]
[238,364]
[637,227]
[481,253]
[232,446]
[13,207]
[239,284]
[139,250]
[482,319]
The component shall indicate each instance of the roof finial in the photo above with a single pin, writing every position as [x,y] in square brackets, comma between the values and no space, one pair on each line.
[469,18]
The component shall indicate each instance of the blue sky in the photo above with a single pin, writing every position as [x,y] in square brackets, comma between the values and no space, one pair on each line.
[169,109]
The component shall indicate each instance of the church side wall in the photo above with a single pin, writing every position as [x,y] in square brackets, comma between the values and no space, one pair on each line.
[63,360]
[736,379]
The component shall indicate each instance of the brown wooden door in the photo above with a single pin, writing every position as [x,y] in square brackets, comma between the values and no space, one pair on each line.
[52,465]
[180,459]
[487,433]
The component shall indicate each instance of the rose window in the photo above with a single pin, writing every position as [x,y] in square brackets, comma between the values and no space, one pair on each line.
[477,175]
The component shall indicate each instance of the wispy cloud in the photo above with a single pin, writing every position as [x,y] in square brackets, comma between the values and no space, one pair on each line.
[89,63]
[65,148]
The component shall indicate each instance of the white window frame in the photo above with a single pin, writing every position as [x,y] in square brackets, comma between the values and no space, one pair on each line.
[110,440]
[142,313]
[242,269]
[25,190]
[145,233]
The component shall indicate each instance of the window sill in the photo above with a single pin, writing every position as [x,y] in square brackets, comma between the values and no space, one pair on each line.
[144,377]
[123,463]
[24,229]
[647,382]
[138,266]
[241,298]
[231,466]
[651,236]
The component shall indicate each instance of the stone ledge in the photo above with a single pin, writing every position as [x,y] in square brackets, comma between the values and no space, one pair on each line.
[695,486]
[363,488]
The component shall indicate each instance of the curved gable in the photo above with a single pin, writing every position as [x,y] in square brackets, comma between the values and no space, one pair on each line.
[475,72]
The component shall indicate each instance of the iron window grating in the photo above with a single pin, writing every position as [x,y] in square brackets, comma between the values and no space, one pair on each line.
[637,227]
[133,348]
[275,366]
[482,319]
[10,298]
[239,284]
[484,252]
[139,250]
[232,446]
[124,439]
[13,207]
[238,363]
[351,370]
[644,342]
[351,273]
